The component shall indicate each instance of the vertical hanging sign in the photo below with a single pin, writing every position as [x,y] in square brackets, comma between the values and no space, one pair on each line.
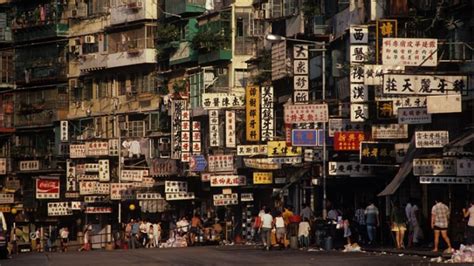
[267,113]
[64,131]
[359,37]
[252,113]
[230,129]
[196,137]
[177,106]
[300,74]
[185,135]
[214,128]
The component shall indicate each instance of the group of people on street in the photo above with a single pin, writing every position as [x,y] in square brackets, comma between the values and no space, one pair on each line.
[142,233]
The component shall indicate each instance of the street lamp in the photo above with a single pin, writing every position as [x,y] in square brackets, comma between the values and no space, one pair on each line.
[322,49]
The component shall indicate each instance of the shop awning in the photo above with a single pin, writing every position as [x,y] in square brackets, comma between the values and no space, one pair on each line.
[461,141]
[293,179]
[403,172]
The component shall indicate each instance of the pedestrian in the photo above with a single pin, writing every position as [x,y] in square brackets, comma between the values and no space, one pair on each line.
[280,230]
[372,221]
[359,219]
[303,232]
[469,212]
[150,239]
[38,239]
[265,228]
[439,223]
[157,234]
[306,212]
[64,234]
[415,234]
[87,245]
[257,223]
[262,211]
[128,234]
[196,226]
[287,213]
[134,234]
[397,217]
[143,237]
[347,229]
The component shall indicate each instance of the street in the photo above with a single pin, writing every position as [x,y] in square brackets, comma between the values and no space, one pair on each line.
[215,255]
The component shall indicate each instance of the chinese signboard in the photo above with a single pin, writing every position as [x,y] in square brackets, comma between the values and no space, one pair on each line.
[308,113]
[149,196]
[222,100]
[385,110]
[244,197]
[431,139]
[262,177]
[349,168]
[220,163]
[423,84]
[465,167]
[97,148]
[95,209]
[29,165]
[279,148]
[59,209]
[196,137]
[390,131]
[230,129]
[348,141]
[177,107]
[261,163]
[47,188]
[180,196]
[3,166]
[252,112]
[185,135]
[436,166]
[359,112]
[104,170]
[279,65]
[300,74]
[77,151]
[225,199]
[131,175]
[342,124]
[443,104]
[6,198]
[163,167]
[385,28]
[228,180]
[121,191]
[214,137]
[401,151]
[377,153]
[445,180]
[250,150]
[359,93]
[373,74]
[359,34]
[413,115]
[307,137]
[176,186]
[267,115]
[64,131]
[410,52]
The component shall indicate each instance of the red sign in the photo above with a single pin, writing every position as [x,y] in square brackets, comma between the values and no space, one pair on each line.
[348,140]
[47,188]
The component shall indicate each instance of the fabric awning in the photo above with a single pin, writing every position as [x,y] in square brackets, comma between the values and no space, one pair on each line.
[403,172]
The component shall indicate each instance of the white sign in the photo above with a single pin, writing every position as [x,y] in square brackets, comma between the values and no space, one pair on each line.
[342,124]
[97,148]
[423,84]
[220,163]
[261,163]
[104,170]
[373,74]
[410,52]
[431,139]
[91,209]
[180,196]
[244,197]
[77,151]
[286,160]
[250,150]
[465,167]
[230,129]
[359,93]
[413,115]
[64,131]
[444,104]
[359,34]
[94,199]
[390,131]
[214,128]
[131,175]
[222,100]
[113,147]
[300,67]
[29,165]
[300,97]
[436,166]
[149,196]
[59,209]
[446,180]
[225,199]
[308,113]
[267,115]
[228,180]
[359,112]
[3,166]
[356,74]
[121,191]
[408,101]
[6,198]
[176,186]
[349,168]
[177,107]
[359,53]
[300,51]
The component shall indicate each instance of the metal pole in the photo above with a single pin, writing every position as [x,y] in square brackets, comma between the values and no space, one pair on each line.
[324,131]
[119,167]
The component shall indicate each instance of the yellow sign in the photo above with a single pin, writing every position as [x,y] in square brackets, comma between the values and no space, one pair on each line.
[263,178]
[279,148]
[5,208]
[252,111]
[385,28]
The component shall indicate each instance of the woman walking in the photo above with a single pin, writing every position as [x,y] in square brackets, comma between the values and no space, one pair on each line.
[397,218]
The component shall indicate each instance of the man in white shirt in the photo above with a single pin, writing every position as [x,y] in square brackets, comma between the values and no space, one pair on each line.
[266,227]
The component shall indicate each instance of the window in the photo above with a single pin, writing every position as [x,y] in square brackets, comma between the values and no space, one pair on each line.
[196,87]
[136,129]
[240,27]
[87,90]
[103,88]
[90,48]
[122,85]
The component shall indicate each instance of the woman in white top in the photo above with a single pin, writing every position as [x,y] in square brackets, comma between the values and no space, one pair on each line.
[280,230]
[470,223]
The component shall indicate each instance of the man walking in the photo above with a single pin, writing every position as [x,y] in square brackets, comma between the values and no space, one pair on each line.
[439,223]
[372,221]
[134,231]
[266,227]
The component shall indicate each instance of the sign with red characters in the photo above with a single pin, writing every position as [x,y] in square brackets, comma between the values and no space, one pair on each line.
[348,140]
[47,188]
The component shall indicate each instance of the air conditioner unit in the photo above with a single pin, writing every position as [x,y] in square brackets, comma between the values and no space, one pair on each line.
[89,39]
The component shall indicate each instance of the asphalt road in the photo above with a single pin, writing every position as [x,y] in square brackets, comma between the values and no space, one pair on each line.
[210,255]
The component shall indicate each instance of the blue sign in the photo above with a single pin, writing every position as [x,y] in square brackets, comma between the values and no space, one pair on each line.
[307,137]
[197,163]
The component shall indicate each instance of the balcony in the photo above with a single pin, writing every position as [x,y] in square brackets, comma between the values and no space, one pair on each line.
[183,54]
[38,32]
[215,56]
[133,52]
[41,73]
[184,7]
[92,62]
[134,10]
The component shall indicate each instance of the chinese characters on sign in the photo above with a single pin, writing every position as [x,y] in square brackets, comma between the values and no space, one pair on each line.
[185,135]
[64,131]
[180,196]
[252,112]
[121,191]
[431,139]
[230,129]
[267,114]
[97,148]
[423,84]
[349,168]
[438,166]
[342,124]
[359,93]
[196,137]
[3,166]
[359,112]
[413,115]
[348,141]
[244,197]
[309,113]
[465,167]
[377,153]
[250,150]
[409,52]
[222,100]
[177,106]
[385,28]
[279,148]
[446,180]
[228,180]
[225,199]
[214,128]
[262,178]
[59,209]
[385,110]
[176,186]
[300,74]
[359,34]
[307,137]
[29,165]
[390,131]
[220,163]
[373,74]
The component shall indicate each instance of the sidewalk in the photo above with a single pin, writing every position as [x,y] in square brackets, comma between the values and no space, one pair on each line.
[424,252]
